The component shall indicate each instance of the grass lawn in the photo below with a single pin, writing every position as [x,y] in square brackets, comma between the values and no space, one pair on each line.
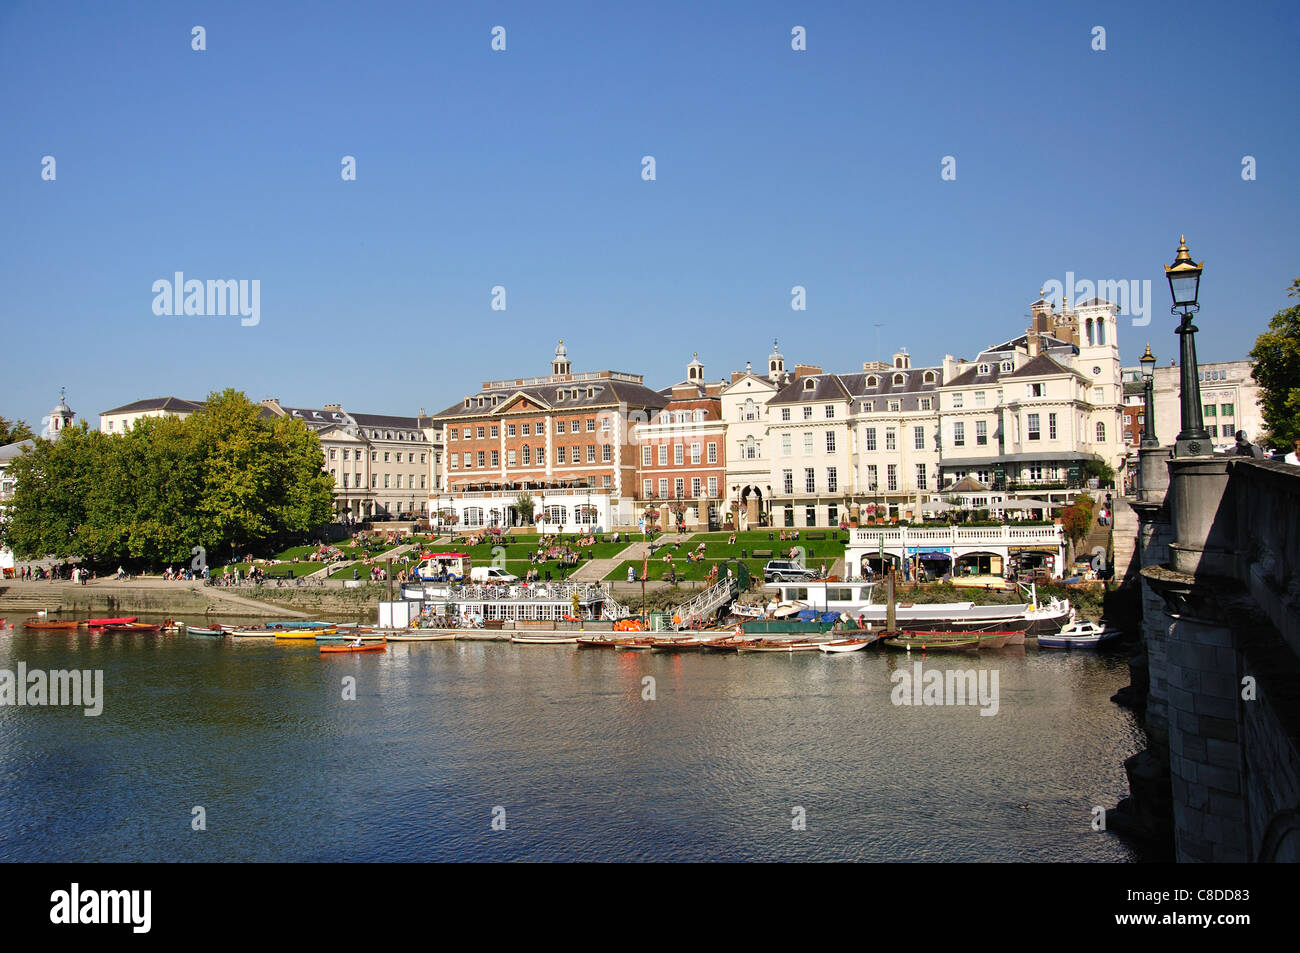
[658,569]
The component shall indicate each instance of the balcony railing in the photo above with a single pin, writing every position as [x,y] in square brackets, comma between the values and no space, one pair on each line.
[1009,535]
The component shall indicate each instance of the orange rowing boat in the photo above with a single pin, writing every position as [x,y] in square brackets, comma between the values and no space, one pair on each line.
[369,647]
[50,624]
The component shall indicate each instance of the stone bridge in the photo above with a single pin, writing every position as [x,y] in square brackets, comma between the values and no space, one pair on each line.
[1219,546]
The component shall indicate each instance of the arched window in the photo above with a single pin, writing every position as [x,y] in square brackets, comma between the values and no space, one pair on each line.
[928,377]
[809,383]
[1101,432]
[899,380]
[873,381]
[751,448]
[749,409]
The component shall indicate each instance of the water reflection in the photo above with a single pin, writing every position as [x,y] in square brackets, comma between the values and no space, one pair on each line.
[258,733]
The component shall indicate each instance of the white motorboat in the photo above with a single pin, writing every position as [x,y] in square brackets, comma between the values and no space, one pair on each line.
[1081,635]
[544,639]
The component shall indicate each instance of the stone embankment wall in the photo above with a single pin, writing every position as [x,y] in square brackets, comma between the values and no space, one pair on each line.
[1221,603]
[103,597]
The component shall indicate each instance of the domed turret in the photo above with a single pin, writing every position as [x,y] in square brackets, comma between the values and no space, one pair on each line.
[561,363]
[775,364]
[62,414]
[695,370]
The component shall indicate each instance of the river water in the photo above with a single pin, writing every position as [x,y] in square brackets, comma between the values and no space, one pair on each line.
[749,757]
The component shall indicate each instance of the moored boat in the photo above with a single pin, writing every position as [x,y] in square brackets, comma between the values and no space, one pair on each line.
[1079,635]
[143,627]
[368,647]
[250,633]
[206,633]
[540,639]
[417,636]
[677,645]
[932,643]
[636,645]
[50,624]
[597,642]
[846,645]
[780,645]
[117,620]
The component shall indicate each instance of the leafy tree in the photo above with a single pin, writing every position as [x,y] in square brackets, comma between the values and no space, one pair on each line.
[14,432]
[524,507]
[1100,469]
[1076,521]
[224,479]
[1277,371]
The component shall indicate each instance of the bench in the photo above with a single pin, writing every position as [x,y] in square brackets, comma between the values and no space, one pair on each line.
[816,536]
[762,554]
[284,574]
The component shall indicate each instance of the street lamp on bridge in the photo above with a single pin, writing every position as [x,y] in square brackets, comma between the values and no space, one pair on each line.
[1184,277]
[1148,362]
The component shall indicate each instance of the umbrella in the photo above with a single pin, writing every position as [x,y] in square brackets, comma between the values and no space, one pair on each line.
[1025,505]
[937,506]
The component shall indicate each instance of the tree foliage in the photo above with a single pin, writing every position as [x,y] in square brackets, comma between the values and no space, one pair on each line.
[1277,371]
[524,507]
[225,479]
[12,432]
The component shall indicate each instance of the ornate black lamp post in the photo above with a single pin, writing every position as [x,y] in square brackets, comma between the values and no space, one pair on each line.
[1184,285]
[1148,362]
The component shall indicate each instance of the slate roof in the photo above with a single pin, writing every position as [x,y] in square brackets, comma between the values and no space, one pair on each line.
[319,419]
[176,405]
[1039,366]
[855,387]
[607,392]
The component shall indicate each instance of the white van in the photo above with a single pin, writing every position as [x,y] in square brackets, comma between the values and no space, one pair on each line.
[492,574]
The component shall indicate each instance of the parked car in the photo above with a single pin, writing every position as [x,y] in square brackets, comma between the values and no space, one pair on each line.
[782,570]
[489,574]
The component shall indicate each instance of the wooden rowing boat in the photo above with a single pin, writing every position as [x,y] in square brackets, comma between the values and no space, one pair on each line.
[635,645]
[986,640]
[250,633]
[597,642]
[303,634]
[134,627]
[419,637]
[930,644]
[779,645]
[206,633]
[119,620]
[544,639]
[50,624]
[846,645]
[369,647]
[677,645]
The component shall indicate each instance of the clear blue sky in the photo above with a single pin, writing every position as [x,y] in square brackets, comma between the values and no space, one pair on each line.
[775,168]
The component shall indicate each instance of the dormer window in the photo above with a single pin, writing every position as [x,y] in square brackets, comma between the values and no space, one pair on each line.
[899,380]
[873,381]
[928,377]
[809,383]
[559,395]
[984,369]
[1006,366]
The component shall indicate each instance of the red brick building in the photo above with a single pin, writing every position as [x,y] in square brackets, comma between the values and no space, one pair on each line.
[565,439]
[682,453]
